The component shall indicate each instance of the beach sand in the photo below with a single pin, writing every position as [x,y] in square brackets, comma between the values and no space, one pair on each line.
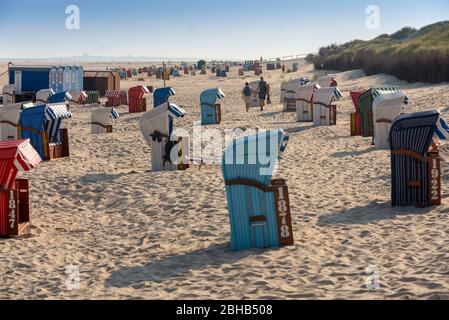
[135,234]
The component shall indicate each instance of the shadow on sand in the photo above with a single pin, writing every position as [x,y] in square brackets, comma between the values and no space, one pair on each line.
[173,266]
[370,213]
[102,177]
[344,154]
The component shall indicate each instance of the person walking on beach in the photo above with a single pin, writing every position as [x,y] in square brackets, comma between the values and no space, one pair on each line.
[283,69]
[262,90]
[246,94]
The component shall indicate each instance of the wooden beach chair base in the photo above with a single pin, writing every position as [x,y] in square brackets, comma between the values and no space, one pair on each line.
[58,151]
[278,188]
[14,210]
[290,105]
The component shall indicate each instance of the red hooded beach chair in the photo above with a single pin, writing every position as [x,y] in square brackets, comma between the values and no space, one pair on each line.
[15,156]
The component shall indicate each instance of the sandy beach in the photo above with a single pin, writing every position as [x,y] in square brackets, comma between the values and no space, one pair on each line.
[135,234]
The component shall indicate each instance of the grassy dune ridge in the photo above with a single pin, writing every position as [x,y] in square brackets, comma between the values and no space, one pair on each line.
[409,54]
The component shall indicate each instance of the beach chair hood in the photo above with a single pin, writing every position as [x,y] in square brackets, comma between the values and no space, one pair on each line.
[324,96]
[160,119]
[9,89]
[78,97]
[254,157]
[43,96]
[60,97]
[9,122]
[414,131]
[16,156]
[304,92]
[104,115]
[210,96]
[366,100]
[288,89]
[395,98]
[162,95]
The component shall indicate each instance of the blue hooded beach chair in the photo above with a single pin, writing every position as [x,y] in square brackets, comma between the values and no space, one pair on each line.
[259,209]
[162,95]
[414,159]
[210,110]
[42,125]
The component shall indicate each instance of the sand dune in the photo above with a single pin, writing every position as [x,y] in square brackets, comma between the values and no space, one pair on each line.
[135,234]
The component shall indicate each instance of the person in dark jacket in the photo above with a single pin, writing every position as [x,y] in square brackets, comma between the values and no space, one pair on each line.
[262,89]
[246,95]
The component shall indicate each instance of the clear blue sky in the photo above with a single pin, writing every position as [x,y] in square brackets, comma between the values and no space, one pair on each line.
[199,28]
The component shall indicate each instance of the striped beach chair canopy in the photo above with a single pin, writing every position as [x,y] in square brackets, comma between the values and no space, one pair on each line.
[162,95]
[420,126]
[254,157]
[371,94]
[43,119]
[393,98]
[175,111]
[365,103]
[78,97]
[442,130]
[16,156]
[337,93]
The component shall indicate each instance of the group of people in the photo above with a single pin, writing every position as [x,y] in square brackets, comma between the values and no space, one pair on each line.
[263,92]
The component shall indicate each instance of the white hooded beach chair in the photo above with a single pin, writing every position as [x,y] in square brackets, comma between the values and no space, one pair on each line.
[288,94]
[102,120]
[304,106]
[8,94]
[9,123]
[386,108]
[43,96]
[324,112]
[168,151]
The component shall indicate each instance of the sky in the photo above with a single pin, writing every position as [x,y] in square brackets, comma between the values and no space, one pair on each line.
[209,29]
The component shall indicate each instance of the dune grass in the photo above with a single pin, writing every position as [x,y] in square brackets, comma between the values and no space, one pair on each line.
[409,54]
